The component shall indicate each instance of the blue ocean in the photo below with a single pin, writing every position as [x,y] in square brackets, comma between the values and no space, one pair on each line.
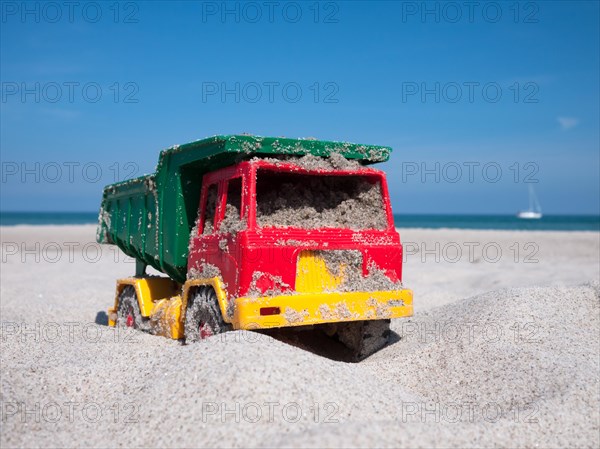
[547,223]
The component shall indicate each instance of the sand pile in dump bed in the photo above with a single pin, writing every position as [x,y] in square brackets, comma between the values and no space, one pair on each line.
[310,162]
[549,366]
[312,202]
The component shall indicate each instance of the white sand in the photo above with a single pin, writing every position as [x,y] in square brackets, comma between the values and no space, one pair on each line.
[515,364]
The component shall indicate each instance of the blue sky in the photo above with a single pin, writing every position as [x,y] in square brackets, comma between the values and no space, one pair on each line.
[474,102]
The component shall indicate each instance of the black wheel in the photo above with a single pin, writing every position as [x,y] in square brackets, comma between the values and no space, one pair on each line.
[203,317]
[128,312]
[364,338]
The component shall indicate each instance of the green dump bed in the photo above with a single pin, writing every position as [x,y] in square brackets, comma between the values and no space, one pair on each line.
[150,218]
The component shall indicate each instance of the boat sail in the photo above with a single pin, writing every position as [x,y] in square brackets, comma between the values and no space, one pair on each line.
[535,210]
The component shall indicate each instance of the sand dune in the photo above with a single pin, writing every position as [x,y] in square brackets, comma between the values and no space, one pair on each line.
[510,367]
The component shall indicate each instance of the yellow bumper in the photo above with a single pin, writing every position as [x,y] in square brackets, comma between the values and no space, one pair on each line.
[303,309]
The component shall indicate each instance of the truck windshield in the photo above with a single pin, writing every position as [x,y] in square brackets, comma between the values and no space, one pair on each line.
[319,201]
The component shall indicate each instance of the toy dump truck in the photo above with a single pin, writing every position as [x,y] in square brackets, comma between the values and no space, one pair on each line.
[259,233]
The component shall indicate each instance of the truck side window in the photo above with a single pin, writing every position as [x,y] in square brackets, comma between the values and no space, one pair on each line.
[232,221]
[209,211]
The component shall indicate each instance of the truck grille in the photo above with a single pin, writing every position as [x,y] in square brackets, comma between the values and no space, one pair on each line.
[319,271]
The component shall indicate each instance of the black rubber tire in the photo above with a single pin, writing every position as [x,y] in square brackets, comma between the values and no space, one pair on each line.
[364,338]
[203,317]
[128,311]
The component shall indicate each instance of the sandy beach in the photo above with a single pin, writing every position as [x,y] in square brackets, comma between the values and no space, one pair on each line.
[503,350]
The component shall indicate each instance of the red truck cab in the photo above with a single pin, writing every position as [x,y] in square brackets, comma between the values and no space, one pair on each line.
[262,255]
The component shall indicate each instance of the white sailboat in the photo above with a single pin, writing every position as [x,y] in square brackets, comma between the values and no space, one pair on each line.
[535,210]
